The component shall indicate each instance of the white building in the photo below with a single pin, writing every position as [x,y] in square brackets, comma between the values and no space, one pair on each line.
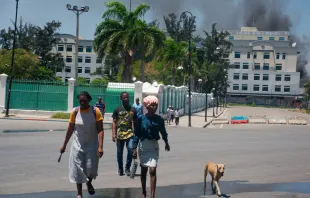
[263,64]
[88,61]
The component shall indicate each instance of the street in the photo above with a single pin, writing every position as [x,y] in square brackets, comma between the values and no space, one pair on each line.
[272,162]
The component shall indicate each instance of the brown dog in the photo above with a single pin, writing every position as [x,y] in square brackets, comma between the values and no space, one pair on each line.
[216,171]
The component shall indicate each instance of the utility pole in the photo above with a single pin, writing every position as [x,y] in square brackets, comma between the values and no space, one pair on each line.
[12,64]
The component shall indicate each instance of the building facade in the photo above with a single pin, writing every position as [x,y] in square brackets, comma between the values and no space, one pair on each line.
[263,63]
[88,62]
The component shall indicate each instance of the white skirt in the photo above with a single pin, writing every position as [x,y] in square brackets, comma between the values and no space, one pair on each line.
[148,153]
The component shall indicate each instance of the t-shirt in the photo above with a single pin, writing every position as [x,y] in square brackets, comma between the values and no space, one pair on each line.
[100,105]
[124,117]
[138,108]
[98,114]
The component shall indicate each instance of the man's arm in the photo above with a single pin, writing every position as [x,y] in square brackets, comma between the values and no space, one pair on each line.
[162,130]
[114,123]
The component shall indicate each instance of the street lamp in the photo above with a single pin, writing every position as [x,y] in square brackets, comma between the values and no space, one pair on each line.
[213,89]
[12,64]
[189,66]
[200,81]
[77,11]
[206,107]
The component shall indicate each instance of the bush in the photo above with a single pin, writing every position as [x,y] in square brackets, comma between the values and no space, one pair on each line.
[253,104]
[61,116]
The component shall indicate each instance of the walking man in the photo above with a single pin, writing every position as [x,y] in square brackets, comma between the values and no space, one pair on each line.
[138,108]
[122,132]
[100,104]
[177,116]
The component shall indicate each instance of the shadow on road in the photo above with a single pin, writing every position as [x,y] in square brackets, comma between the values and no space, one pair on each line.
[177,191]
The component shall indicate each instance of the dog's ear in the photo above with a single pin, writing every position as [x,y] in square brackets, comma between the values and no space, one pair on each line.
[217,166]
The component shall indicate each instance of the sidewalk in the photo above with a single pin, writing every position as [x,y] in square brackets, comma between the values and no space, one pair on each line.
[198,119]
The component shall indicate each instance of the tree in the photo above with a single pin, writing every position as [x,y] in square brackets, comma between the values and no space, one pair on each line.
[26,65]
[174,55]
[123,32]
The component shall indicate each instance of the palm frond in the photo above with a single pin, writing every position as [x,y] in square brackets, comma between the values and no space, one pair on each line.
[115,10]
[141,10]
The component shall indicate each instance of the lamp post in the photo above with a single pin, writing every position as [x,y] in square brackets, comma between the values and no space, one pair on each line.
[206,107]
[199,82]
[12,64]
[213,89]
[77,11]
[189,67]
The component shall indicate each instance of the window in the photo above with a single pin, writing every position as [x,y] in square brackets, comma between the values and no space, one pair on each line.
[58,69]
[249,55]
[256,66]
[80,59]
[278,77]
[81,49]
[235,87]
[69,48]
[98,60]
[236,76]
[259,38]
[66,79]
[237,55]
[99,70]
[266,55]
[278,67]
[237,65]
[277,88]
[231,37]
[69,59]
[87,80]
[256,76]
[281,38]
[271,38]
[283,56]
[226,55]
[278,56]
[68,69]
[287,89]
[265,88]
[80,70]
[256,88]
[266,66]
[265,76]
[245,65]
[244,87]
[87,59]
[60,48]
[245,76]
[62,58]
[87,70]
[255,55]
[88,49]
[287,77]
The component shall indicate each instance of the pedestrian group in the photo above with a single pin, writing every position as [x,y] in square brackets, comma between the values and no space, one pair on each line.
[131,127]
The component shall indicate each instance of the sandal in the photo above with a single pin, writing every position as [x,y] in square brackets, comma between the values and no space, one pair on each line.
[90,188]
[79,196]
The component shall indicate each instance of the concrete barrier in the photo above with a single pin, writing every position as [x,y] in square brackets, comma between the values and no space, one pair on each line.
[277,120]
[239,120]
[220,121]
[257,119]
[297,120]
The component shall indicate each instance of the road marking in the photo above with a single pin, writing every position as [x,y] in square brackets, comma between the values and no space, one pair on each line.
[221,126]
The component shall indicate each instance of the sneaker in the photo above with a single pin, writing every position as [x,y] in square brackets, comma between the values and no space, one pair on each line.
[120,172]
[127,171]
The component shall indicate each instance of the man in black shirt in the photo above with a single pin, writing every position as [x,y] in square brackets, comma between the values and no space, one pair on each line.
[122,132]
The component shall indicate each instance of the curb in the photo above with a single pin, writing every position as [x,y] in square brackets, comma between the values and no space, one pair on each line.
[208,123]
[38,130]
[43,119]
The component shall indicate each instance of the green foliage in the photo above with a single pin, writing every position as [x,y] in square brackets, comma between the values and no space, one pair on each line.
[82,81]
[307,88]
[61,115]
[125,33]
[100,81]
[253,104]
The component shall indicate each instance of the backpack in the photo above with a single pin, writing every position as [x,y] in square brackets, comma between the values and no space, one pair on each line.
[76,110]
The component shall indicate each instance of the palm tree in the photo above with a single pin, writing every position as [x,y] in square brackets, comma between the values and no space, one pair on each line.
[174,54]
[124,33]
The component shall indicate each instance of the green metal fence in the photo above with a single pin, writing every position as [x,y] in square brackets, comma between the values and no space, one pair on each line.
[38,95]
[111,96]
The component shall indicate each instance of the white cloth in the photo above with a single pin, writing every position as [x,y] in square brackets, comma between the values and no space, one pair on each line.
[83,160]
[177,114]
[148,153]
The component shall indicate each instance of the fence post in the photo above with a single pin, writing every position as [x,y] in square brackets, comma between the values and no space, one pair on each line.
[70,94]
[138,91]
[3,78]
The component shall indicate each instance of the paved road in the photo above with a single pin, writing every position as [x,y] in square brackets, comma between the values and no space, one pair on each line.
[269,163]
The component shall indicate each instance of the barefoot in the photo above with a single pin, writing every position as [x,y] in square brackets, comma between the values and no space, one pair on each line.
[143,195]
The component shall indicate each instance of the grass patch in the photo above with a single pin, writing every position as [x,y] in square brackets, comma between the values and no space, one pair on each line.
[61,116]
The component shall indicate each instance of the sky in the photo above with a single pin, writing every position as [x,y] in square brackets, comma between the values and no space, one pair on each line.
[38,12]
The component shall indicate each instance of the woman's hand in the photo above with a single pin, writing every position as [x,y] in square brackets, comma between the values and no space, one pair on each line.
[63,149]
[167,147]
[100,152]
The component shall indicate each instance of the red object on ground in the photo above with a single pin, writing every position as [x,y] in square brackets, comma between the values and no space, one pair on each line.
[239,121]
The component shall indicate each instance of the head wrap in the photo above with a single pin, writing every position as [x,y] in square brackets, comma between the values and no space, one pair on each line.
[147,101]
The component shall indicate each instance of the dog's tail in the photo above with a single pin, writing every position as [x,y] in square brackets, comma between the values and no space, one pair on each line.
[205,179]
